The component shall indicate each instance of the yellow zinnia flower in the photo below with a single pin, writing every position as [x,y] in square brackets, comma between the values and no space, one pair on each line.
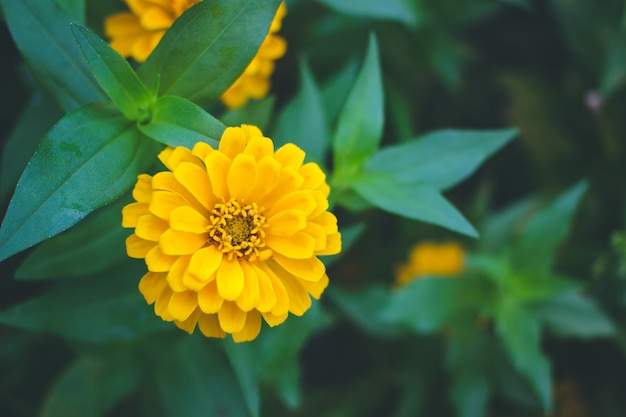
[136,33]
[431,259]
[232,235]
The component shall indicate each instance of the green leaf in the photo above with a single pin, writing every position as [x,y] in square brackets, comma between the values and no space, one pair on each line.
[88,159]
[258,113]
[194,380]
[425,304]
[43,36]
[243,360]
[81,250]
[547,229]
[114,74]
[91,386]
[360,125]
[279,349]
[42,112]
[574,315]
[208,47]
[440,159]
[520,332]
[395,10]
[74,8]
[303,121]
[336,90]
[367,308]
[536,285]
[178,122]
[468,359]
[414,201]
[101,309]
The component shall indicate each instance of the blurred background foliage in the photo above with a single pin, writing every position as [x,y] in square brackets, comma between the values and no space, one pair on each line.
[534,324]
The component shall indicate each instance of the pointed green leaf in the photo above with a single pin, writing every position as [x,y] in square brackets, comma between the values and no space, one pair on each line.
[91,386]
[395,10]
[547,229]
[114,74]
[360,125]
[574,315]
[414,201]
[42,112]
[520,332]
[208,47]
[79,251]
[194,380]
[303,121]
[88,159]
[43,35]
[468,359]
[74,8]
[178,122]
[426,304]
[101,309]
[243,360]
[442,158]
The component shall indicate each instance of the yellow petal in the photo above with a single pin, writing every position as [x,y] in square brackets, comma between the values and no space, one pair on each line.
[195,179]
[282,297]
[156,18]
[256,86]
[139,7]
[176,273]
[313,175]
[311,269]
[315,288]
[333,245]
[273,47]
[173,242]
[122,25]
[142,192]
[202,149]
[290,180]
[290,155]
[233,141]
[251,329]
[150,227]
[193,283]
[267,295]
[144,45]
[163,202]
[157,261]
[217,166]
[274,320]
[189,325]
[318,233]
[259,148]
[186,219]
[242,176]
[167,181]
[132,212]
[173,157]
[249,297]
[286,223]
[298,246]
[328,221]
[268,170]
[230,279]
[152,285]
[231,318]
[182,304]
[205,262]
[209,325]
[299,299]
[302,200]
[161,303]
[137,247]
[321,203]
[209,299]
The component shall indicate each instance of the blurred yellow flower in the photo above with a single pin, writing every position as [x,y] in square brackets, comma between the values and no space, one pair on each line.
[136,33]
[432,259]
[232,235]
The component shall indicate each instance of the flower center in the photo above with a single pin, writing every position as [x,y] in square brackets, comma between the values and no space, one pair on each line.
[237,229]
